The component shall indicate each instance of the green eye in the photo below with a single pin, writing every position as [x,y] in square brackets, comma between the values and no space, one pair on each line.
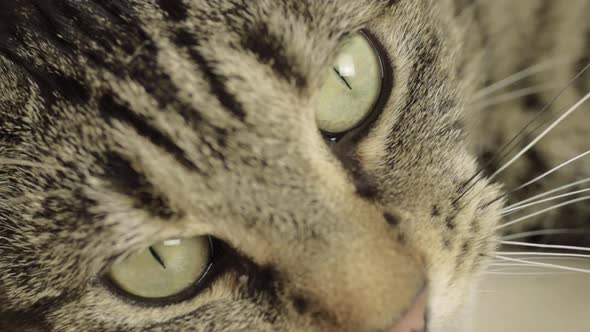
[352,87]
[165,269]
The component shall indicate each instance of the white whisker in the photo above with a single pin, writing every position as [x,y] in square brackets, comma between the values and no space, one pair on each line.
[508,266]
[546,246]
[573,184]
[509,146]
[526,269]
[527,72]
[582,155]
[513,209]
[543,254]
[515,266]
[544,232]
[528,216]
[526,273]
[504,264]
[560,267]
[543,134]
[495,100]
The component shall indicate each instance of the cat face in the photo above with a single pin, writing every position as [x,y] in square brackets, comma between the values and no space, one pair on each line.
[133,126]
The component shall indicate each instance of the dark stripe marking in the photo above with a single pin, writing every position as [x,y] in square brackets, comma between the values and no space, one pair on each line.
[435,211]
[145,70]
[175,9]
[450,222]
[463,255]
[391,219]
[268,48]
[300,304]
[70,88]
[533,102]
[542,25]
[114,110]
[537,164]
[217,84]
[125,179]
[365,184]
[582,84]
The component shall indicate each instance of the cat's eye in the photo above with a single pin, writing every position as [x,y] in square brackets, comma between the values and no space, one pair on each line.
[351,88]
[165,269]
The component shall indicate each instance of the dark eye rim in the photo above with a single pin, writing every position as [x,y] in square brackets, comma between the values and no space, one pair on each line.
[213,270]
[386,88]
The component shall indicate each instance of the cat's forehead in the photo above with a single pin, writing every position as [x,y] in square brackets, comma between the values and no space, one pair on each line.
[189,75]
[247,40]
[173,53]
[209,81]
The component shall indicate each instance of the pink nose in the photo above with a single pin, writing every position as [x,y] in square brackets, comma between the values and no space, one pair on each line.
[414,318]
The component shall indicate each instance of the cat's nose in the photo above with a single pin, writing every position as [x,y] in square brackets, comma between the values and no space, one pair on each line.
[414,319]
[367,283]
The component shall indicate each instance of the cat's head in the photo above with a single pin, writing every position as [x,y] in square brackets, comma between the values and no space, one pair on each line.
[236,166]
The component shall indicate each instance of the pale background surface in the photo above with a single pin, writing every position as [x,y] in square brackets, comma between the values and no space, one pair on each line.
[535,303]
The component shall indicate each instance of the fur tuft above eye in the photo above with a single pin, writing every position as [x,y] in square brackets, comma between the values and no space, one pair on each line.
[351,88]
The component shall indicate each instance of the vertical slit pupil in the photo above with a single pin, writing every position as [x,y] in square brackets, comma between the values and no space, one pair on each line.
[157,256]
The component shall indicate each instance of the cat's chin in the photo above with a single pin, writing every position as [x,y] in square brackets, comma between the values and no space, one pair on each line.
[414,319]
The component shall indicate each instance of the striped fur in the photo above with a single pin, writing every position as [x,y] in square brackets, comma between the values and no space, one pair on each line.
[128,122]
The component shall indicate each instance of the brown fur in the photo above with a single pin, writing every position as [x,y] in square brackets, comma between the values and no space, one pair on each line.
[125,123]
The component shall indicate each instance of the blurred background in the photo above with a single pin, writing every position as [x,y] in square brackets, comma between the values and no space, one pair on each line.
[514,298]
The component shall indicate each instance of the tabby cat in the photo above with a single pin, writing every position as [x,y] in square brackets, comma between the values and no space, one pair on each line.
[276,165]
